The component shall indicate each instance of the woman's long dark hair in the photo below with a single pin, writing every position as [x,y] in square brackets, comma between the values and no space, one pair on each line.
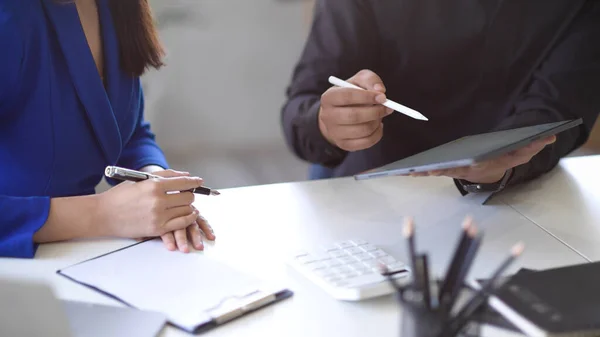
[139,44]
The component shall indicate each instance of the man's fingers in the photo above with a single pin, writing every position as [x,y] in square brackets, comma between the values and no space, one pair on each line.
[182,240]
[169,241]
[458,173]
[362,143]
[356,114]
[524,155]
[369,80]
[357,131]
[550,140]
[337,96]
[195,237]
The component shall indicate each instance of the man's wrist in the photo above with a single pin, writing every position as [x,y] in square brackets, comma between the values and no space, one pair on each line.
[323,130]
[498,186]
[330,154]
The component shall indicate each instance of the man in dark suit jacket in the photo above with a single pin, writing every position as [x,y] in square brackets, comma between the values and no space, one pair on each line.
[469,66]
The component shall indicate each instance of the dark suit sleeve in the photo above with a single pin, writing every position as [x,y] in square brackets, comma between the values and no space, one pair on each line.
[566,86]
[342,41]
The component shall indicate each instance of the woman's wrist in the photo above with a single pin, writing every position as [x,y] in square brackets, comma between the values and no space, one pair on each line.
[72,218]
[151,169]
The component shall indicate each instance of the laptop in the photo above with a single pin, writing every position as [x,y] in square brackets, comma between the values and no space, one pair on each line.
[31,309]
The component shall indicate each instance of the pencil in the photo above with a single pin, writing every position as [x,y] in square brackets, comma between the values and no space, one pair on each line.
[465,268]
[423,261]
[490,285]
[409,234]
[457,260]
[388,103]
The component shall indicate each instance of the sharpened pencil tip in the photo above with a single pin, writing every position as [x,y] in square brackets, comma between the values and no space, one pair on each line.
[467,223]
[472,231]
[408,227]
[518,249]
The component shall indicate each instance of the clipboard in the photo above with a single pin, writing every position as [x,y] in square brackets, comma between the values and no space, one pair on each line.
[196,292]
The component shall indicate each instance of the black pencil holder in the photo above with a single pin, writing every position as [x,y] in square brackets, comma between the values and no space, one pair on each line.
[417,320]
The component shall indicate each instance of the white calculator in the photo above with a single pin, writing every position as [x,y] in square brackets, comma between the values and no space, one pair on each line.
[349,270]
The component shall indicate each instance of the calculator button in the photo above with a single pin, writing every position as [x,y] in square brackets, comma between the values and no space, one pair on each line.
[344,244]
[387,260]
[354,251]
[351,274]
[300,254]
[336,253]
[322,257]
[364,271]
[371,263]
[365,280]
[333,263]
[368,248]
[346,259]
[324,273]
[342,269]
[330,248]
[363,257]
[359,242]
[332,279]
[378,253]
[356,265]
[316,265]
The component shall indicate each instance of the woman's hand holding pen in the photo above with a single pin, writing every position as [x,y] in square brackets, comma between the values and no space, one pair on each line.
[180,239]
[150,209]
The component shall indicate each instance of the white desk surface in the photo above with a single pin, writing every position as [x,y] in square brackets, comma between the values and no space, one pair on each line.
[257,227]
[566,203]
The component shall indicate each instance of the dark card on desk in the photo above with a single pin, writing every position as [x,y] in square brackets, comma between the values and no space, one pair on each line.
[492,323]
[555,302]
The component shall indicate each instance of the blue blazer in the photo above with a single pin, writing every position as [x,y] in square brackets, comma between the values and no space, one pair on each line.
[59,126]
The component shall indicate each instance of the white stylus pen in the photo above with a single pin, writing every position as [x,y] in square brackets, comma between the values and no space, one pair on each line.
[388,103]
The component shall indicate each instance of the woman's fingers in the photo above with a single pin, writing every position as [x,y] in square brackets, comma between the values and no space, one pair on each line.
[169,241]
[206,228]
[195,237]
[182,240]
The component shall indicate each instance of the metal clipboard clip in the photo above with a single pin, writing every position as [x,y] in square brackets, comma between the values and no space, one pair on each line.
[236,306]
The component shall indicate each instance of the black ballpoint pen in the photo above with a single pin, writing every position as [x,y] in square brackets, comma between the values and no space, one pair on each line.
[124,174]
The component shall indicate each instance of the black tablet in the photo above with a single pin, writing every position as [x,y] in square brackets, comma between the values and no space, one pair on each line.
[469,150]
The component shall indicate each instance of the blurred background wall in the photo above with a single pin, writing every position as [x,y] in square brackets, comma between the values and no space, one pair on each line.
[216,106]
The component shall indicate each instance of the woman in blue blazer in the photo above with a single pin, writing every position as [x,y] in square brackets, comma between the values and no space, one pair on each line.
[71,103]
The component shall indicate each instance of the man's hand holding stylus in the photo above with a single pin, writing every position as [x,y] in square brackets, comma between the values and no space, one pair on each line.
[351,119]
